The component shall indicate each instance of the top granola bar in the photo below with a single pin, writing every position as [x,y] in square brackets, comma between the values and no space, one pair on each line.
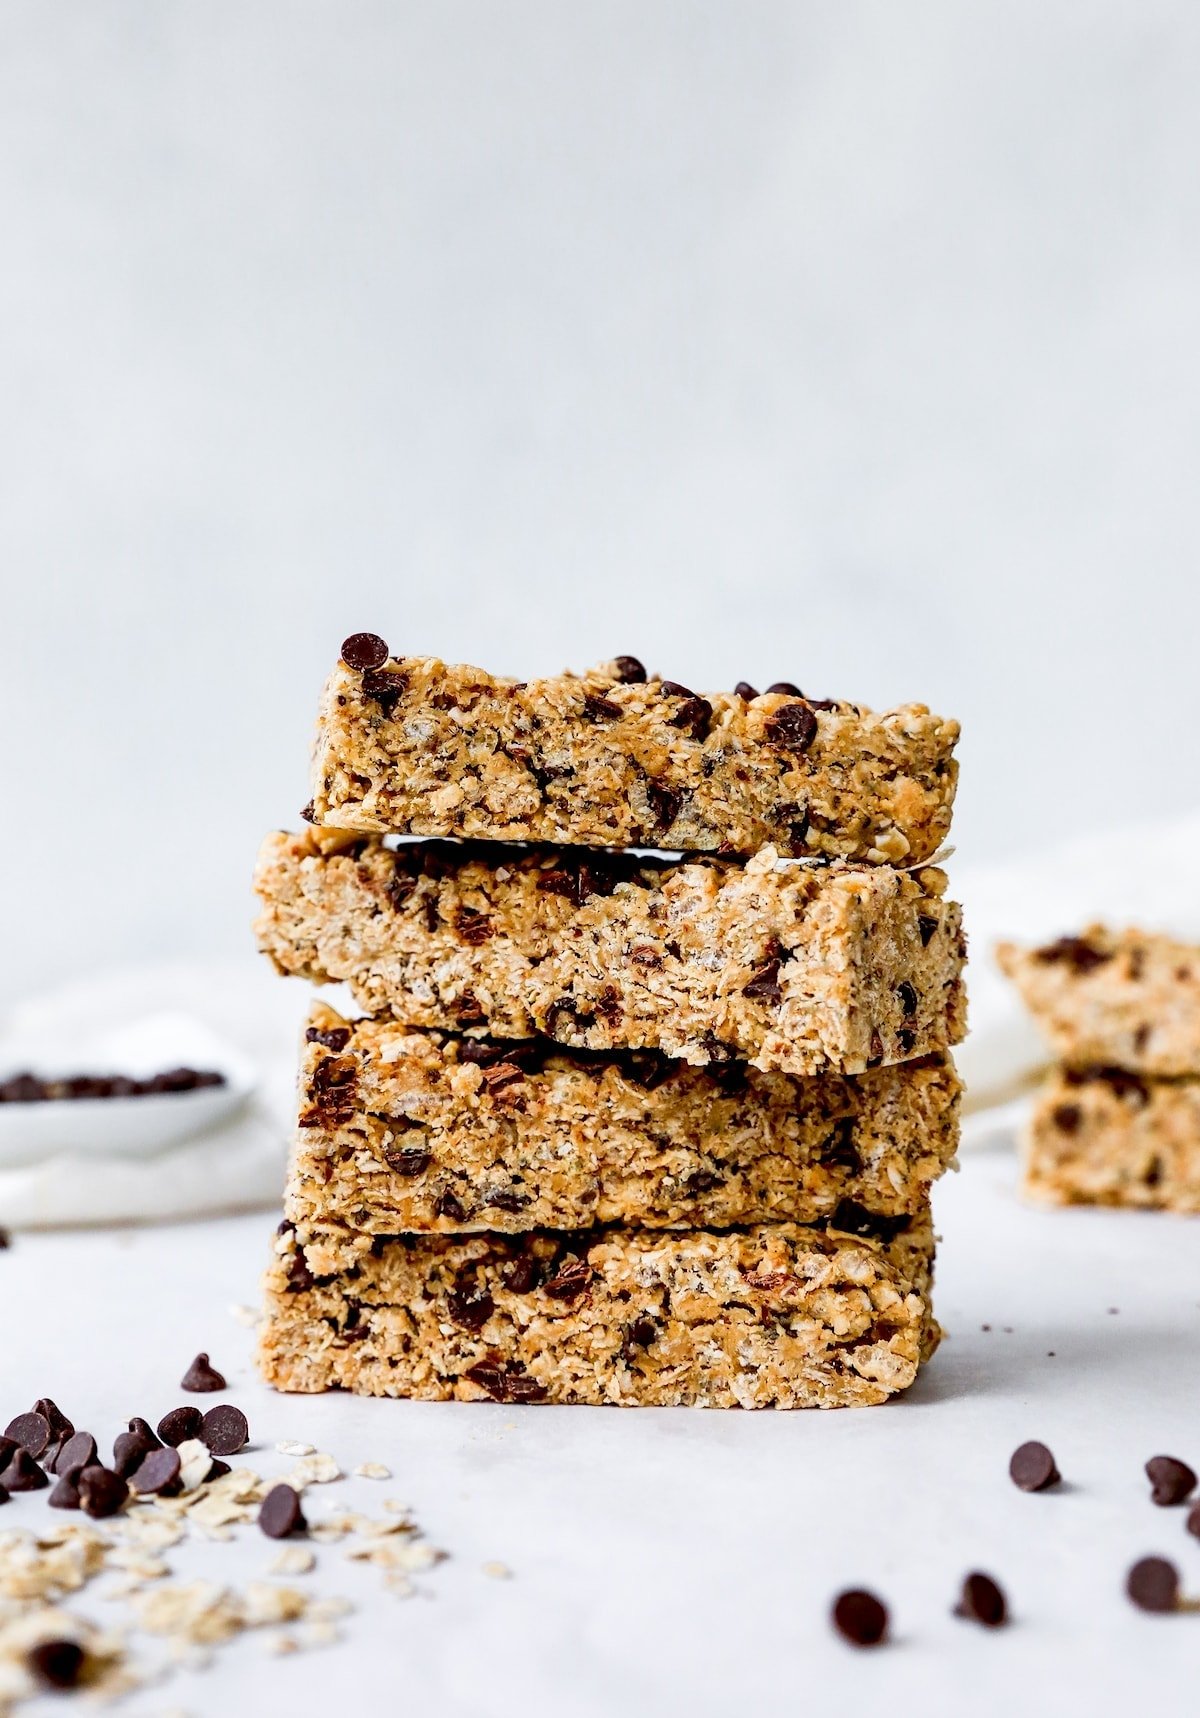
[618,758]
[1126,999]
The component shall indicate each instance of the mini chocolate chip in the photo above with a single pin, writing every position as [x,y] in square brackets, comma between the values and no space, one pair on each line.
[23,1473]
[1171,1481]
[860,1618]
[180,1424]
[31,1431]
[629,671]
[1032,1468]
[225,1430]
[743,689]
[281,1513]
[201,1377]
[1153,1584]
[925,929]
[336,1038]
[60,1426]
[66,1493]
[794,726]
[787,686]
[101,1491]
[157,1472]
[56,1663]
[982,1602]
[78,1451]
[364,650]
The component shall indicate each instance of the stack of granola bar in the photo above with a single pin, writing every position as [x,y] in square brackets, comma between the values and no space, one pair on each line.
[1118,1120]
[614,1128]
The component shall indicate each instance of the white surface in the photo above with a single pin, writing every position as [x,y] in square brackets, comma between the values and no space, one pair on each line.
[674,1562]
[856,344]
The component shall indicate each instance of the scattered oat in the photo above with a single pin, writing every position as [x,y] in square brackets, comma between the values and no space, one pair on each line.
[293,1560]
[288,1447]
[316,1469]
[373,1470]
[498,1571]
[245,1315]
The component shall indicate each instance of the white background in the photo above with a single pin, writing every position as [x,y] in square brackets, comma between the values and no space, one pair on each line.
[856,344]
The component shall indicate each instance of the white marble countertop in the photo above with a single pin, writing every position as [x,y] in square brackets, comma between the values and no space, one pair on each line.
[666,1561]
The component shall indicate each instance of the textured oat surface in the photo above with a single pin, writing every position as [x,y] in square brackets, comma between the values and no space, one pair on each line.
[800,968]
[1101,1136]
[419,1131]
[1127,998]
[424,748]
[775,1316]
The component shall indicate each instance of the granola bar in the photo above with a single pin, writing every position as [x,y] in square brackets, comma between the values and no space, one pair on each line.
[614,758]
[1127,999]
[799,968]
[420,1131]
[1103,1136]
[779,1315]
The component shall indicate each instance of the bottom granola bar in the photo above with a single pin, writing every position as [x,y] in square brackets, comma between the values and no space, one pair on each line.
[1102,1136]
[779,1315]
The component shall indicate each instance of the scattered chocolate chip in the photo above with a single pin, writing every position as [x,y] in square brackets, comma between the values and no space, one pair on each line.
[66,1493]
[860,1618]
[216,1470]
[23,1473]
[4,1497]
[78,1451]
[225,1430]
[8,1449]
[128,1451]
[792,690]
[201,1377]
[101,1491]
[1076,952]
[1171,1481]
[56,1663]
[281,1513]
[794,725]
[1153,1584]
[743,689]
[982,1601]
[181,1424]
[1032,1468]
[336,1038]
[364,650]
[157,1473]
[1193,1521]
[629,671]
[31,1431]
[60,1426]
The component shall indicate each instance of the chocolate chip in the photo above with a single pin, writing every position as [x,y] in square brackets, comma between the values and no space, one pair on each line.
[764,986]
[56,1663]
[1153,1584]
[157,1473]
[672,689]
[982,1602]
[855,1219]
[364,650]
[78,1451]
[101,1491]
[128,1450]
[925,929]
[907,998]
[570,1280]
[504,1386]
[629,671]
[1032,1468]
[1193,1521]
[473,927]
[66,1493]
[1171,1481]
[694,713]
[1076,952]
[1067,1118]
[8,1449]
[60,1426]
[664,802]
[5,1240]
[794,726]
[384,689]
[788,686]
[860,1618]
[201,1377]
[469,1304]
[598,709]
[23,1473]
[743,689]
[408,1160]
[638,1336]
[336,1038]
[448,1204]
[31,1431]
[4,1497]
[521,1276]
[225,1430]
[180,1424]
[281,1513]
[309,812]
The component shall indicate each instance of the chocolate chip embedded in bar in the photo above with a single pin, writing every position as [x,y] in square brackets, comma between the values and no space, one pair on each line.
[614,758]
[1102,1136]
[778,1315]
[803,969]
[1126,999]
[448,1133]
[29,1088]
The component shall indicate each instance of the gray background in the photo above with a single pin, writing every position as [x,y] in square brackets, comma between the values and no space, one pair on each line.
[855,344]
